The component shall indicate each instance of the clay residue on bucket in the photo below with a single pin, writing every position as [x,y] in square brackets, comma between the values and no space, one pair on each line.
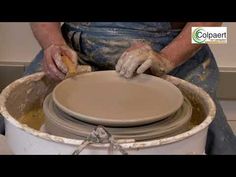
[34,118]
[26,99]
[198,112]
[200,107]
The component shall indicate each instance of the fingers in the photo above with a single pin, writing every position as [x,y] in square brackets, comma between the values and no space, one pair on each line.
[53,63]
[45,68]
[147,64]
[130,61]
[129,68]
[70,54]
[135,56]
[51,68]
[121,61]
[47,71]
[56,55]
[134,47]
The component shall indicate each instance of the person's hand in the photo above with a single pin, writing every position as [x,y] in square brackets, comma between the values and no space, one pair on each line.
[53,65]
[141,57]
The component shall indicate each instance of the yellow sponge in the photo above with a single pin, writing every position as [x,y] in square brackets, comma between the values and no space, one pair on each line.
[72,68]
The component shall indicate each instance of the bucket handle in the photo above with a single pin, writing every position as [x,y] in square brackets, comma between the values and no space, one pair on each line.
[100,135]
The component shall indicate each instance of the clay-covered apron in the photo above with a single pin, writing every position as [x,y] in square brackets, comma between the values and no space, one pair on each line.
[99,44]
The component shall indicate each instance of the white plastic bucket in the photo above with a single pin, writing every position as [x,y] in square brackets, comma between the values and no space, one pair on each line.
[20,95]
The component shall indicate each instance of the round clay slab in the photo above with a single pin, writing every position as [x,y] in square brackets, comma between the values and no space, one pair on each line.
[105,98]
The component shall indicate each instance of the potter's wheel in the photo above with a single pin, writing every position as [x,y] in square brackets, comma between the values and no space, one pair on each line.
[61,124]
[159,121]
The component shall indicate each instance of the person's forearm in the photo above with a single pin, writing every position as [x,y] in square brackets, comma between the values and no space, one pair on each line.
[48,34]
[181,48]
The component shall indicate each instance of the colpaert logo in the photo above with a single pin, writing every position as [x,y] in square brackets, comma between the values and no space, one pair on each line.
[209,35]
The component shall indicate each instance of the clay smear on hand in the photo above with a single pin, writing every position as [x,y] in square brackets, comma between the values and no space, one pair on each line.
[72,68]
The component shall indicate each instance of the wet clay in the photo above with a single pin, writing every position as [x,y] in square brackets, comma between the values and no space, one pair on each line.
[34,118]
[59,123]
[198,114]
[108,99]
[29,95]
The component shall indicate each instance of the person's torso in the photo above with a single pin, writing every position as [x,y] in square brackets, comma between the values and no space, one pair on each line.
[140,26]
[102,43]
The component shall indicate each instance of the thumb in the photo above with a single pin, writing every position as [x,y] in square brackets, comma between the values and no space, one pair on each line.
[59,63]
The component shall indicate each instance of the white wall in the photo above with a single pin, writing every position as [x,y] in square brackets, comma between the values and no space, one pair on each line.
[225,54]
[17,43]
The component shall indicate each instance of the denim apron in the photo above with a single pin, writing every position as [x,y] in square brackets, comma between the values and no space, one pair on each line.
[100,44]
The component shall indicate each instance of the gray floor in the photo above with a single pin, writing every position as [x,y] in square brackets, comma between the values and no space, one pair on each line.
[4,149]
[229,107]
